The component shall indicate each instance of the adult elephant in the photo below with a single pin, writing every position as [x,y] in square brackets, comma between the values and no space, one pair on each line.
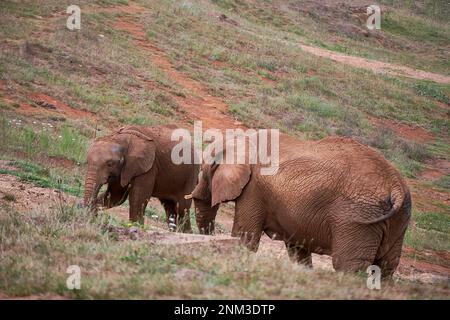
[334,196]
[135,162]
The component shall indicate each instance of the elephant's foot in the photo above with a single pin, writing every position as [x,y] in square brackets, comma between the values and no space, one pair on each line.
[298,254]
[250,240]
[137,219]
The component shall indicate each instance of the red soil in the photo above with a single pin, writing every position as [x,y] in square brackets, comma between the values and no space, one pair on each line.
[199,104]
[45,104]
[413,133]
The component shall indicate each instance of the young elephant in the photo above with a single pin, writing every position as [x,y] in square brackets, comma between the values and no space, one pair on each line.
[135,162]
[334,197]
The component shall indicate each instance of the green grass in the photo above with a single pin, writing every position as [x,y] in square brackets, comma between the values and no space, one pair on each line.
[430,230]
[443,182]
[433,90]
[64,142]
[408,156]
[44,178]
[155,214]
[414,28]
[90,73]
[434,221]
[427,239]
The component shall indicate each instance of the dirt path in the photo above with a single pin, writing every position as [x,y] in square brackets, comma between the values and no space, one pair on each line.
[198,104]
[363,63]
[376,66]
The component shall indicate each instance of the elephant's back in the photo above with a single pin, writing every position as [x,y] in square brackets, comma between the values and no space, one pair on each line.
[361,159]
[338,163]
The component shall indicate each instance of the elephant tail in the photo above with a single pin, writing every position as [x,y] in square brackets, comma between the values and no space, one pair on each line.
[399,199]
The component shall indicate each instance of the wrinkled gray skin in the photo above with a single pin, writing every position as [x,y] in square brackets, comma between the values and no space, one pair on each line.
[135,163]
[334,197]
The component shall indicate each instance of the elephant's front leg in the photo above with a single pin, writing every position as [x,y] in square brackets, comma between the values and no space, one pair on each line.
[298,253]
[248,222]
[140,193]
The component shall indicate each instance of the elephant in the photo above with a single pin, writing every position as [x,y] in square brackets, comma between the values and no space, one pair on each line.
[135,162]
[334,196]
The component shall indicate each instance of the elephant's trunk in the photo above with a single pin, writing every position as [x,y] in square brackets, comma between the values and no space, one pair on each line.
[91,188]
[205,216]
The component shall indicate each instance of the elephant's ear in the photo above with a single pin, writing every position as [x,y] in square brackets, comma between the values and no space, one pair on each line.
[228,181]
[139,157]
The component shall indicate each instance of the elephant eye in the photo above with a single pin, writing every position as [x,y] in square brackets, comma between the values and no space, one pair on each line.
[110,163]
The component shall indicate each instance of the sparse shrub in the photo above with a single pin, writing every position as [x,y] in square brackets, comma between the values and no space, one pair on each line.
[415,151]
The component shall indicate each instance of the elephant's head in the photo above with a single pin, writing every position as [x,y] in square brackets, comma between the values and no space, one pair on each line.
[123,155]
[217,183]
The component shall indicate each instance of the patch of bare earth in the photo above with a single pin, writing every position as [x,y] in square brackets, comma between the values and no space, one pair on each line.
[25,196]
[46,105]
[435,169]
[43,105]
[410,132]
[425,197]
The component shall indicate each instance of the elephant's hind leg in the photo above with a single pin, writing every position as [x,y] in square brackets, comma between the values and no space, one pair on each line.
[171,213]
[389,262]
[299,254]
[355,246]
[391,248]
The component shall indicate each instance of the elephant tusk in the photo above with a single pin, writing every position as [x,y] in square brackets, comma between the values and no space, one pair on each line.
[188,196]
